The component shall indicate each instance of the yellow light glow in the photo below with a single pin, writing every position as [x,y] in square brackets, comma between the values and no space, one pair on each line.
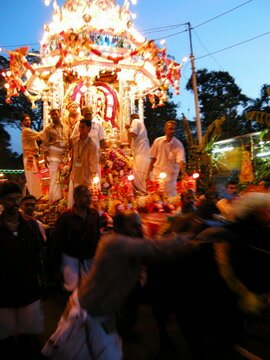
[162,175]
[96,180]
[130,177]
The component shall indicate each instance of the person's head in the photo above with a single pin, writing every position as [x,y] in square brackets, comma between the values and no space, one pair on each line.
[10,196]
[254,203]
[55,115]
[82,197]
[84,128]
[170,129]
[134,116]
[128,223]
[72,108]
[25,120]
[87,113]
[28,205]
[231,189]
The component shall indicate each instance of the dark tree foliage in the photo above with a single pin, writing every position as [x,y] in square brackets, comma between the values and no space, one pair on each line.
[219,95]
[8,158]
[262,103]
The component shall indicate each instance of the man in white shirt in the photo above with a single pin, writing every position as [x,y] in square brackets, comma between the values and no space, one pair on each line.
[168,156]
[137,134]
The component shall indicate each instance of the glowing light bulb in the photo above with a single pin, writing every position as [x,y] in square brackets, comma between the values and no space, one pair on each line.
[47,2]
[133,2]
[185,59]
[195,175]
[96,180]
[162,42]
[130,177]
[162,175]
[134,16]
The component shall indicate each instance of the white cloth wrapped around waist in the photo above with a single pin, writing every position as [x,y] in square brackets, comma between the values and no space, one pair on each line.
[81,336]
[55,153]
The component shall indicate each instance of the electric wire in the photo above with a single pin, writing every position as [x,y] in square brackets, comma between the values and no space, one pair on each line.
[224,13]
[234,45]
[207,50]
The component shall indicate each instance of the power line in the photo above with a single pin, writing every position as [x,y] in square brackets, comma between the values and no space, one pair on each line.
[207,49]
[167,36]
[224,13]
[164,27]
[237,44]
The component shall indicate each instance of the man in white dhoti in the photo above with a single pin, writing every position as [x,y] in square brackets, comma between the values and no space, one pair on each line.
[137,134]
[168,156]
[30,156]
[55,146]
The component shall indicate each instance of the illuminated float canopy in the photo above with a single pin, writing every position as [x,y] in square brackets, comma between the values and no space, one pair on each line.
[91,53]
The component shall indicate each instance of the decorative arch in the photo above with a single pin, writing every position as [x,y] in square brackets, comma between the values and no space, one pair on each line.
[111,100]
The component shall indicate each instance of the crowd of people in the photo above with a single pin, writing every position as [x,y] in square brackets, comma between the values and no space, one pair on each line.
[72,144]
[197,266]
[73,141]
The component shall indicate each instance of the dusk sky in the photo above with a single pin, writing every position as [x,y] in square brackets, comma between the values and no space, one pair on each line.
[217,25]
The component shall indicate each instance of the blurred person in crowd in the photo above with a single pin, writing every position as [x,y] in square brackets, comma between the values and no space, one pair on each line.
[168,156]
[225,204]
[30,150]
[21,316]
[114,275]
[229,267]
[137,134]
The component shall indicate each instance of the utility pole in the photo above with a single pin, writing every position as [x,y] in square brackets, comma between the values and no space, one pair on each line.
[194,86]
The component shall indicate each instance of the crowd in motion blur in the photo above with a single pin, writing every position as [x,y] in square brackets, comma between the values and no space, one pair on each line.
[208,264]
